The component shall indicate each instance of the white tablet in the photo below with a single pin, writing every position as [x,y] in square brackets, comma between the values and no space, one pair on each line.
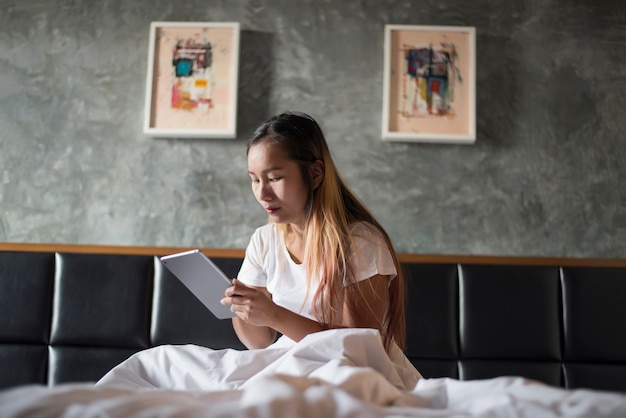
[203,278]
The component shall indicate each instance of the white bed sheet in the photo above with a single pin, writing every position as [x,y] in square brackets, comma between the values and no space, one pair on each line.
[336,373]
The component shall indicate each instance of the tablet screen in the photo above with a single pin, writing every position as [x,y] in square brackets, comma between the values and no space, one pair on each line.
[203,278]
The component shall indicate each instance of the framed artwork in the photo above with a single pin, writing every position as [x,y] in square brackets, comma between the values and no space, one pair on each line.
[429,84]
[191,82]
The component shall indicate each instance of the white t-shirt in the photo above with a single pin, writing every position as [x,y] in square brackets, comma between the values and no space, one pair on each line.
[268,264]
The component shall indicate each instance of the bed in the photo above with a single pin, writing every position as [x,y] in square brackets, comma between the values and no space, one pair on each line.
[492,336]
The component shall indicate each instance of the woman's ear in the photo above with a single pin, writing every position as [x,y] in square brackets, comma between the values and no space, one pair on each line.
[317,173]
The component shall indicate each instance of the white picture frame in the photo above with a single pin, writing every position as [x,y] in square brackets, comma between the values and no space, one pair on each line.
[192,80]
[429,84]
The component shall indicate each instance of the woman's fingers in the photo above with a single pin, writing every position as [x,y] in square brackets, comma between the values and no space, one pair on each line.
[238,295]
[249,303]
[239,288]
[240,300]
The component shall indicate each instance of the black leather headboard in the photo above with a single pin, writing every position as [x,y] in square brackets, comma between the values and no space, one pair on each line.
[560,325]
[70,317]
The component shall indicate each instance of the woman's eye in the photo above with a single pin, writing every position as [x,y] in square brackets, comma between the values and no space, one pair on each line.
[274,179]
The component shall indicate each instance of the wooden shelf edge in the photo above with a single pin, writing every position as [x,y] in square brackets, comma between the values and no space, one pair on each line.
[239,253]
[117,249]
[511,260]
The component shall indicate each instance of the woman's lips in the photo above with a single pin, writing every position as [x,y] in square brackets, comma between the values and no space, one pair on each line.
[271,210]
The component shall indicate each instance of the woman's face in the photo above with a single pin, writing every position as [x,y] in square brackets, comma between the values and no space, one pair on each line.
[277,184]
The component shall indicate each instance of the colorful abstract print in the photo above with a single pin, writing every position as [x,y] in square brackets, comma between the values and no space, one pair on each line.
[429,81]
[192,83]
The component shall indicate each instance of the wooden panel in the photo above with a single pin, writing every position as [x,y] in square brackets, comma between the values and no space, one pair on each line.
[117,249]
[239,253]
[512,260]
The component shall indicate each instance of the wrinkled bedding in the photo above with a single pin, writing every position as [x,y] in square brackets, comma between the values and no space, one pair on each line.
[338,373]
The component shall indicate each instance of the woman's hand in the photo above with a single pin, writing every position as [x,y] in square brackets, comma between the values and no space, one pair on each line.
[253,305]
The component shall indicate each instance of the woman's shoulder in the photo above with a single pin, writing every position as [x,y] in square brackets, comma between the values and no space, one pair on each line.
[372,253]
[365,230]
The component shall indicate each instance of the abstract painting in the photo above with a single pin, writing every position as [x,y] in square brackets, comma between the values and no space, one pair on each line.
[429,84]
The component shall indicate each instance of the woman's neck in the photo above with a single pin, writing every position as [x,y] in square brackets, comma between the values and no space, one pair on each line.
[294,240]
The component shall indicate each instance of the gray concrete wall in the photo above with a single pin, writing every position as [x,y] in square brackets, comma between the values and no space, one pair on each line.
[545,176]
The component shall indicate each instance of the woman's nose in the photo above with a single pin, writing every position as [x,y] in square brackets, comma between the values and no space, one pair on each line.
[265,192]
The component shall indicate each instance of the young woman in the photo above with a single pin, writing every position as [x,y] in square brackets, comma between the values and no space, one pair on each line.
[322,261]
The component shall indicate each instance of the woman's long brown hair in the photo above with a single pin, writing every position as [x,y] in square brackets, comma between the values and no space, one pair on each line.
[331,209]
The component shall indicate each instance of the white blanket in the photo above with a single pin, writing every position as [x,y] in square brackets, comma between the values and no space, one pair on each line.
[337,373]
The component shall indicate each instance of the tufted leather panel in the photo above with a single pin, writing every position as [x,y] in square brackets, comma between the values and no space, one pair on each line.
[596,376]
[594,312]
[26,286]
[594,303]
[546,372]
[510,313]
[84,364]
[26,283]
[22,364]
[436,368]
[510,322]
[432,318]
[102,300]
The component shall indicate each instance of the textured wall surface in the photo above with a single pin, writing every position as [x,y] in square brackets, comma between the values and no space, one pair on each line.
[545,176]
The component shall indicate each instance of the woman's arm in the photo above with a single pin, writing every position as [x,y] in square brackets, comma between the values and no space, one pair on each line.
[259,318]
[365,303]
[252,336]
[364,307]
